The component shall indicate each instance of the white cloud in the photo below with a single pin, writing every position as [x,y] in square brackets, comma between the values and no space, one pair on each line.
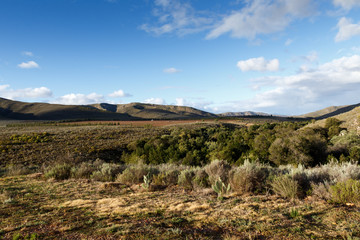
[118,94]
[346,4]
[258,64]
[176,17]
[27,53]
[195,103]
[80,99]
[333,83]
[180,102]
[41,92]
[262,17]
[159,101]
[347,29]
[28,65]
[171,70]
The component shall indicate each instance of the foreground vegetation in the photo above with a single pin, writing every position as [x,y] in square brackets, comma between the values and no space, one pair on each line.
[276,180]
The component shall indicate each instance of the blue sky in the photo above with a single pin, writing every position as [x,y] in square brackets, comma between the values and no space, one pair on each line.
[274,56]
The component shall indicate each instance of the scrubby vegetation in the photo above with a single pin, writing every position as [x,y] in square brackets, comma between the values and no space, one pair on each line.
[197,181]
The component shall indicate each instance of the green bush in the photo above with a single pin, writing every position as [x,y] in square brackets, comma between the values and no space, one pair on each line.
[201,179]
[346,192]
[59,171]
[107,172]
[186,179]
[285,186]
[168,178]
[134,174]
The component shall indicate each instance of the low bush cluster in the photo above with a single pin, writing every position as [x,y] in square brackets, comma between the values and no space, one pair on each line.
[334,182]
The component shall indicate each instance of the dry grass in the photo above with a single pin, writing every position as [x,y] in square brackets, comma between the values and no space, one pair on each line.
[82,209]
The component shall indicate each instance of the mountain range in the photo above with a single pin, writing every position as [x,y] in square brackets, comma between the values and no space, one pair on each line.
[16,110]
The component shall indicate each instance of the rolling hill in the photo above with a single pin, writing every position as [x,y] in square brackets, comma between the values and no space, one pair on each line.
[330,111]
[154,111]
[349,120]
[17,110]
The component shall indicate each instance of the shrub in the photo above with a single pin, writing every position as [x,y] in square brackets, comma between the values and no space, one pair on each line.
[201,179]
[321,191]
[17,170]
[134,174]
[107,172]
[59,171]
[249,178]
[169,174]
[186,179]
[218,169]
[285,186]
[84,170]
[346,192]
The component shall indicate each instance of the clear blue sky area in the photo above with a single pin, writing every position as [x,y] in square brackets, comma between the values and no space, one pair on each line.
[276,56]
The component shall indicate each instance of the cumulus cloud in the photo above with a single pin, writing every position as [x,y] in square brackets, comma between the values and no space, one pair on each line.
[262,17]
[176,17]
[171,70]
[15,94]
[119,93]
[347,29]
[346,4]
[80,99]
[333,83]
[159,101]
[258,64]
[28,65]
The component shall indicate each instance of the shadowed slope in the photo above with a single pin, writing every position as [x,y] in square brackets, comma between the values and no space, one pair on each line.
[45,111]
[103,111]
[330,111]
[154,111]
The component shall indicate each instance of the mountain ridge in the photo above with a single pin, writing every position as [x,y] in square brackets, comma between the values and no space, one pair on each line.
[17,110]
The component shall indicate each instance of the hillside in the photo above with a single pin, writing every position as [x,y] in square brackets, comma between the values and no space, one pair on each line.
[17,110]
[330,111]
[350,119]
[154,111]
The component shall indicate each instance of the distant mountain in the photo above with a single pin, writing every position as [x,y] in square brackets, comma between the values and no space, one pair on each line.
[154,111]
[243,114]
[329,111]
[10,109]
